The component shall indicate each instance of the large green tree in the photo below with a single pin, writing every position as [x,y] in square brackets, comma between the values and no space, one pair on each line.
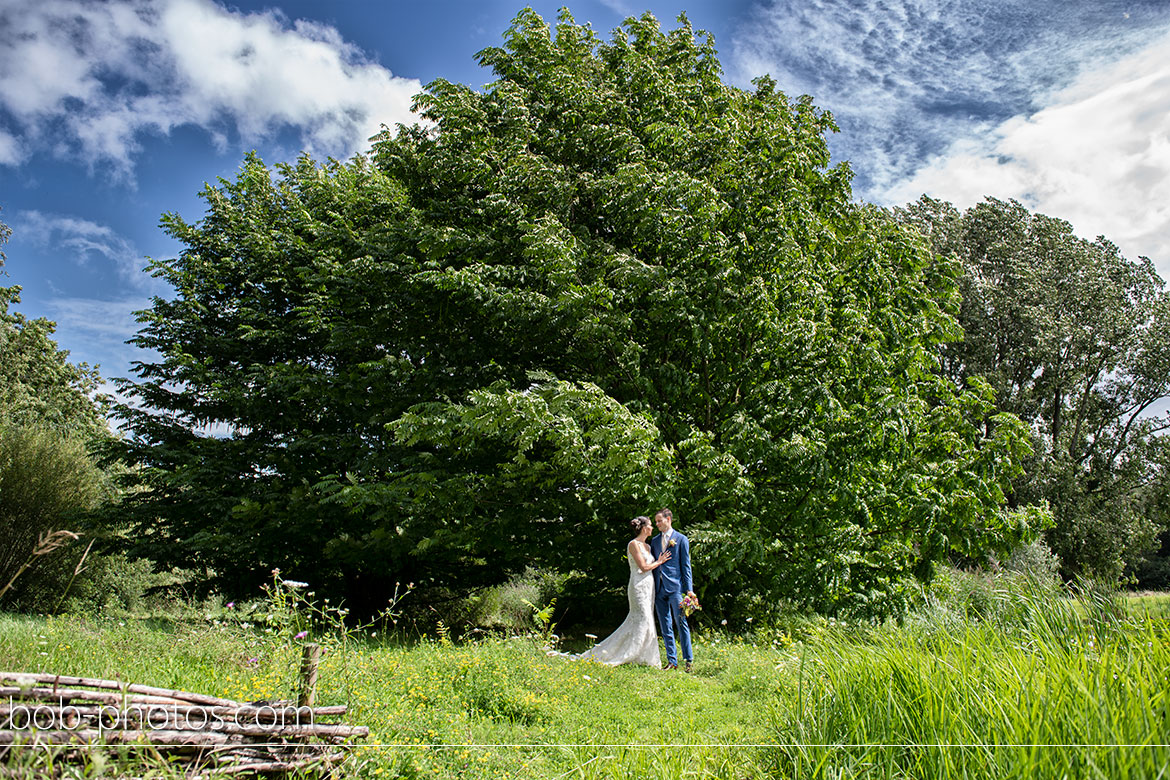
[606,282]
[1075,339]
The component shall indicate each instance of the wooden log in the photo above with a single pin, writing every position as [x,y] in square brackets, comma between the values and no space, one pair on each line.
[68,694]
[108,718]
[66,697]
[22,679]
[278,766]
[274,735]
[157,738]
[115,713]
[309,660]
[209,735]
[331,710]
[119,737]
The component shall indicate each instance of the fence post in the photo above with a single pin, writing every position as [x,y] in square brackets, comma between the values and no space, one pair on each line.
[309,659]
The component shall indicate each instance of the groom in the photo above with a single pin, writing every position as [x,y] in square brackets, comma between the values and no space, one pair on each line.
[671,581]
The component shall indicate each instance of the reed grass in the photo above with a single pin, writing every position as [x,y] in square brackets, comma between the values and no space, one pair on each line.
[1062,689]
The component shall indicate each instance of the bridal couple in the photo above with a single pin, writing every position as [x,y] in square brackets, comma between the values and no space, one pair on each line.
[660,576]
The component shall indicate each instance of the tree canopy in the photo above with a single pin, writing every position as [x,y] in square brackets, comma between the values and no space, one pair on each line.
[38,384]
[606,282]
[1075,339]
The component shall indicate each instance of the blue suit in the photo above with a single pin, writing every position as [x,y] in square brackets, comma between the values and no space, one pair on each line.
[672,580]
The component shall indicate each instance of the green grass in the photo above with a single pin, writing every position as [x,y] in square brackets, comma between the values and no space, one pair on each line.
[936,697]
[972,702]
[1149,605]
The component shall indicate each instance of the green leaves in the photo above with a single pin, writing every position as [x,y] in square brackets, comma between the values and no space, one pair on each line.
[38,385]
[553,435]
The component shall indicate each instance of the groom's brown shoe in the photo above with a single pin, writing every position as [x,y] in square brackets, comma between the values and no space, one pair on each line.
[687,668]
[669,667]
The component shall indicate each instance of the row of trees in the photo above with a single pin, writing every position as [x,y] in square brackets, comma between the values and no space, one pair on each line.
[1075,340]
[609,282]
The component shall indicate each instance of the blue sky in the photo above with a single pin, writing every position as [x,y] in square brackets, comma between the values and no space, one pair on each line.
[112,113]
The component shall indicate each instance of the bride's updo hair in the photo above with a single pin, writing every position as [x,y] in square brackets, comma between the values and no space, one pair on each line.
[639,522]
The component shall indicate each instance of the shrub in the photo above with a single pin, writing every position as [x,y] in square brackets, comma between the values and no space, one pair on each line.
[1005,599]
[1035,560]
[47,480]
[508,607]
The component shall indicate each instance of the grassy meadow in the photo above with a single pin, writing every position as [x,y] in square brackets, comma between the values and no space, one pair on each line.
[1037,687]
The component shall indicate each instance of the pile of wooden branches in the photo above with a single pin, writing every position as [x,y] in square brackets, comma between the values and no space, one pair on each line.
[209,736]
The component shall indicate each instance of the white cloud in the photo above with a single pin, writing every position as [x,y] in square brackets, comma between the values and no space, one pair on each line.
[619,7]
[905,79]
[104,325]
[10,151]
[1097,156]
[97,76]
[84,241]
[96,333]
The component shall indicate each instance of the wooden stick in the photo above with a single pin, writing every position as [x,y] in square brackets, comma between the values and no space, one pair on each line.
[159,738]
[66,694]
[233,737]
[134,705]
[118,737]
[187,696]
[276,766]
[279,731]
[309,660]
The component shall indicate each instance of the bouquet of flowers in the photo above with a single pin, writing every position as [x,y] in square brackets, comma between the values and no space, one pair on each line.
[690,603]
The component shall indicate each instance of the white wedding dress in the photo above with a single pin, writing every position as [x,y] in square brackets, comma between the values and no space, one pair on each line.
[636,639]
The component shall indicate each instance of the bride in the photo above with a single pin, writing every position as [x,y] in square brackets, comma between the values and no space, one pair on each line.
[636,639]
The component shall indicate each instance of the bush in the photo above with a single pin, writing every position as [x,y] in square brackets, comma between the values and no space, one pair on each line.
[966,593]
[47,480]
[1035,560]
[1005,599]
[509,607]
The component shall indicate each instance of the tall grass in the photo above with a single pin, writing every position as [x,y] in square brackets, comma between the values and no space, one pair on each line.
[1155,606]
[1043,688]
[1037,685]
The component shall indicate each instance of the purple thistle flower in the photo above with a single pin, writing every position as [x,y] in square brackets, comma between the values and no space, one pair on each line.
[301,635]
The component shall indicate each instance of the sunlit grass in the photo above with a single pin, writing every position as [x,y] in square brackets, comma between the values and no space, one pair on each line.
[1149,605]
[977,702]
[938,696]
